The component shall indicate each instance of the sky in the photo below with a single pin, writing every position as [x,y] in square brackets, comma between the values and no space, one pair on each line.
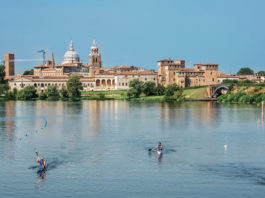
[230,33]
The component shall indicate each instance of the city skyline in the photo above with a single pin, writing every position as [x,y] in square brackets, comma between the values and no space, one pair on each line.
[137,33]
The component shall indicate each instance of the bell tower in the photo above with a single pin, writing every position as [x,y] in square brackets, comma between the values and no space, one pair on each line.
[9,64]
[94,56]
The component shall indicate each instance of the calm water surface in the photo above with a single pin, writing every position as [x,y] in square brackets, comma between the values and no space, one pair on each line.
[99,149]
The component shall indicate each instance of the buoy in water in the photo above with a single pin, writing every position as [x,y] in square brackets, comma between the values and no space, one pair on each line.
[225,147]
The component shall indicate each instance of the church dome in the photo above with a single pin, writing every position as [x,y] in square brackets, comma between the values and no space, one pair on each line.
[71,56]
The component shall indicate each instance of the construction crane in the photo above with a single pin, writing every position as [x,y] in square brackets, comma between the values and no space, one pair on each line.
[43,52]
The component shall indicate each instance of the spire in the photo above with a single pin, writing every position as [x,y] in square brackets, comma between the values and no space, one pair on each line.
[52,59]
[94,44]
[71,46]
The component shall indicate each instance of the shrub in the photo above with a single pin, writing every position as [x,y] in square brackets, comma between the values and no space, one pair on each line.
[42,96]
[174,92]
[27,93]
[101,96]
[64,93]
[160,90]
[52,92]
[132,93]
[149,88]
[3,88]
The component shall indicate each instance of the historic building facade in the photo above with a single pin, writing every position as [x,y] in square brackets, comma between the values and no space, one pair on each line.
[92,76]
[170,72]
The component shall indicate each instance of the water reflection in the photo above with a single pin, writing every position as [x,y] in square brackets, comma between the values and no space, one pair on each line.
[206,113]
[96,141]
[260,120]
[7,130]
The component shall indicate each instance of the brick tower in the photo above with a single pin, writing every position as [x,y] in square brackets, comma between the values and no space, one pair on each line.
[94,56]
[9,64]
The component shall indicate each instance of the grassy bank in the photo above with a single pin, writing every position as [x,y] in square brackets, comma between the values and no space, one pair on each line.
[148,98]
[189,93]
[104,95]
[195,93]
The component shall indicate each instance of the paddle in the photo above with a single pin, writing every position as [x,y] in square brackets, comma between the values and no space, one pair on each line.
[37,154]
[149,149]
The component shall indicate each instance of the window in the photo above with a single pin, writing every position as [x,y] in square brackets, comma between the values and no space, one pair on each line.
[122,84]
[145,79]
[213,79]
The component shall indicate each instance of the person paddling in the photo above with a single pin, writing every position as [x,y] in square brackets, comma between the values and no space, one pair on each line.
[159,147]
[42,164]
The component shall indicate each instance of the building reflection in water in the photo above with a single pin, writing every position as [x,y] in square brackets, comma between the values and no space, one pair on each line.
[190,113]
[94,108]
[7,129]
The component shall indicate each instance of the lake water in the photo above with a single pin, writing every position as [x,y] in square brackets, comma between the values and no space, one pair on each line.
[100,149]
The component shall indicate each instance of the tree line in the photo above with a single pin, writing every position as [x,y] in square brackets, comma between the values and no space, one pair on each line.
[71,92]
[249,71]
[139,88]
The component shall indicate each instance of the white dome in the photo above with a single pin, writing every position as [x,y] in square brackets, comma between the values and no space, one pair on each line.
[71,56]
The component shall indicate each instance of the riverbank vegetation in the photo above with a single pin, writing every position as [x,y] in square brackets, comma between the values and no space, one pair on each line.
[243,92]
[139,91]
[242,98]
[3,83]
[71,92]
[150,91]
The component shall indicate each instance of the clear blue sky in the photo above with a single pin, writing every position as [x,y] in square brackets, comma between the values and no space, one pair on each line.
[137,32]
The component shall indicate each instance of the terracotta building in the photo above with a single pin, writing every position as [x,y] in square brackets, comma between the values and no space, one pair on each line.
[170,72]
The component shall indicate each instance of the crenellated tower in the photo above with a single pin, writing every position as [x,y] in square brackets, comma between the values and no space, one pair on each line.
[94,56]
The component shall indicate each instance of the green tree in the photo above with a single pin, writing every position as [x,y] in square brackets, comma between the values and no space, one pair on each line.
[52,92]
[245,71]
[73,87]
[137,85]
[42,96]
[132,93]
[149,88]
[2,74]
[27,93]
[174,92]
[11,95]
[160,90]
[3,88]
[261,73]
[64,93]
[28,72]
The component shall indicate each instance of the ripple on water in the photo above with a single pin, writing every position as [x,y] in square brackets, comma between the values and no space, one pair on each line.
[236,170]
